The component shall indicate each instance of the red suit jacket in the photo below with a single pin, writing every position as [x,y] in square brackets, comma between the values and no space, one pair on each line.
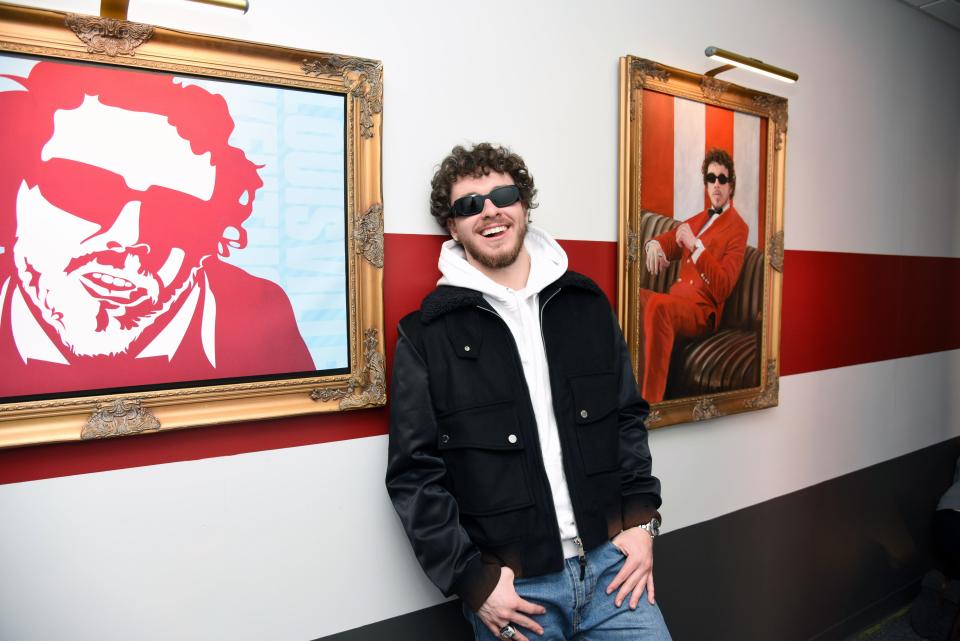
[709,281]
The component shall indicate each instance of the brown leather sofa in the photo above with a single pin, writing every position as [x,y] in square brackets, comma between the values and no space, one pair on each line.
[720,361]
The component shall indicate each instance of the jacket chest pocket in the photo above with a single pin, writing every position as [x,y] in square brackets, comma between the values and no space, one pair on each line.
[597,420]
[484,451]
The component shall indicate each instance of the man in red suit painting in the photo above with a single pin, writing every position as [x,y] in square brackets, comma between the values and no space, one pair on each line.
[710,246]
[120,194]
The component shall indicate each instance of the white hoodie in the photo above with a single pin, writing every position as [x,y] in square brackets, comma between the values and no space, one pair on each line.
[520,309]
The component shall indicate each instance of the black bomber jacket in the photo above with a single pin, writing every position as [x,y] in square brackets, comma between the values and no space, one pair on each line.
[465,470]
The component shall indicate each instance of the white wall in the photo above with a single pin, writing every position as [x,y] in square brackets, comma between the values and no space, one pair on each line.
[296,544]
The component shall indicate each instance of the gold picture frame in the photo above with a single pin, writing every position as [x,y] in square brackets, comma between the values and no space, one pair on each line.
[355,85]
[726,370]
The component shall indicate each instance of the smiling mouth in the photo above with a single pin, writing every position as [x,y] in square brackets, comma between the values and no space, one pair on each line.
[112,289]
[494,232]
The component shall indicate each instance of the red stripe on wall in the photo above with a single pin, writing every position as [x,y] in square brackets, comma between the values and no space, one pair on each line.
[656,175]
[848,309]
[410,273]
[838,309]
[66,459]
[719,133]
[597,260]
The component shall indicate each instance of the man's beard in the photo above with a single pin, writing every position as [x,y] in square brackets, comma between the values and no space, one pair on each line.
[504,258]
[86,325]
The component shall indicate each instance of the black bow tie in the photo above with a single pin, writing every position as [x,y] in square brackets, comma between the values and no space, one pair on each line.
[714,212]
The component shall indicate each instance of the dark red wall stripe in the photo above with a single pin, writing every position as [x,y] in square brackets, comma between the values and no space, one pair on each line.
[847,309]
[65,459]
[838,310]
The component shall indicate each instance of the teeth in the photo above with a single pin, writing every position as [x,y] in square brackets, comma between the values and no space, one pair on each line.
[112,280]
[493,230]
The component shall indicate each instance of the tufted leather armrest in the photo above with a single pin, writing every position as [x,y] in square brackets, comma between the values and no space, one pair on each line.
[744,306]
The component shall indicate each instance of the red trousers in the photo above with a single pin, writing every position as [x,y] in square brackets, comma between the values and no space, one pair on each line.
[664,317]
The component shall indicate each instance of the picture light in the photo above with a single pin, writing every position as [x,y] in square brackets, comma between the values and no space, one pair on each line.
[757,66]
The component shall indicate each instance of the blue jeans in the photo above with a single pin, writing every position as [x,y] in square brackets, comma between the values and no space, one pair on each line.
[582,610]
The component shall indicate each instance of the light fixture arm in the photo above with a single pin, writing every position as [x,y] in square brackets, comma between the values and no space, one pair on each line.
[757,66]
[718,70]
[117,9]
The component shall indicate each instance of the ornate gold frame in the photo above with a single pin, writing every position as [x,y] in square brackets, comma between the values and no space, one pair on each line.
[121,43]
[637,74]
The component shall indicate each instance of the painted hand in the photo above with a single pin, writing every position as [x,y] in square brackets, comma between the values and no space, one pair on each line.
[685,237]
[655,258]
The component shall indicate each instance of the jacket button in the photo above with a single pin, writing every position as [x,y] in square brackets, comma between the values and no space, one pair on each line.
[466,348]
[584,414]
[444,438]
[512,438]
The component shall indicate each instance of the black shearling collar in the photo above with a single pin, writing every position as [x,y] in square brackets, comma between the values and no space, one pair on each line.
[445,298]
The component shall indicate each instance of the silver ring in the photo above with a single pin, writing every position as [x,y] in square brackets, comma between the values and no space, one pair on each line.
[507,632]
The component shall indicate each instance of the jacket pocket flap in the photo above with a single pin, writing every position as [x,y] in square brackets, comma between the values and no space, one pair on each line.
[489,427]
[594,396]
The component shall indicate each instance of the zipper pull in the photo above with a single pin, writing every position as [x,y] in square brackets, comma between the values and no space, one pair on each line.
[581,556]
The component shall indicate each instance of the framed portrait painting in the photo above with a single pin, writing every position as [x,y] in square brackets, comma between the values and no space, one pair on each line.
[192,229]
[700,240]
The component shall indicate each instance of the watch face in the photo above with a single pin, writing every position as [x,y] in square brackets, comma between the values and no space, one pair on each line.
[654,526]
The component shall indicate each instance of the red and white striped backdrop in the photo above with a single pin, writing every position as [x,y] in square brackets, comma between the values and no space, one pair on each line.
[676,134]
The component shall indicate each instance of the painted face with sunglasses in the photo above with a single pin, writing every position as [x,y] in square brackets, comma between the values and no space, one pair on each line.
[718,185]
[489,220]
[100,248]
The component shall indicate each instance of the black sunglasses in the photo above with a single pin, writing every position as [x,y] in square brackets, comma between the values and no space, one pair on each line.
[723,179]
[473,204]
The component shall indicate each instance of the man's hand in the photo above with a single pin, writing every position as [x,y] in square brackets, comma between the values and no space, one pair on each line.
[656,260]
[636,575]
[685,237]
[505,606]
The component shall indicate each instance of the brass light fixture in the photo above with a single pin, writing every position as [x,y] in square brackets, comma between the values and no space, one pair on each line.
[239,5]
[117,9]
[757,66]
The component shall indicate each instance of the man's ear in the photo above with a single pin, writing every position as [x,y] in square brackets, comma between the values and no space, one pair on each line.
[452,228]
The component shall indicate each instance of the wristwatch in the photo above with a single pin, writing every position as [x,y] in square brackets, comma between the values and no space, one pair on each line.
[652,527]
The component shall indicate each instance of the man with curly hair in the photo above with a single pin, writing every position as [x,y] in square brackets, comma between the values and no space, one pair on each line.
[111,273]
[710,246]
[518,459]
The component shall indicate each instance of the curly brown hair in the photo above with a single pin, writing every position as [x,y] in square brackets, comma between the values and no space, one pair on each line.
[200,117]
[721,157]
[482,159]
